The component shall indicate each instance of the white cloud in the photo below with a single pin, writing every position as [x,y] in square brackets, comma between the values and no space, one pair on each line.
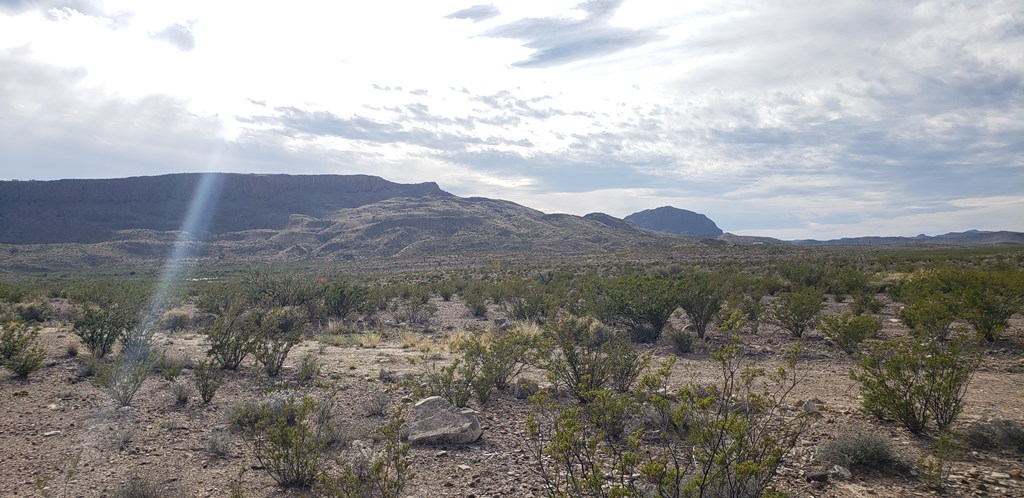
[834,118]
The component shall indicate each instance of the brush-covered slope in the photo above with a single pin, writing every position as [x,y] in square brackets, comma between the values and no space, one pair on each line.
[258,217]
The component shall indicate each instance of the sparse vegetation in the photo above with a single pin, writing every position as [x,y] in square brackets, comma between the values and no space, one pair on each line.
[916,382]
[798,311]
[19,351]
[208,377]
[862,451]
[848,331]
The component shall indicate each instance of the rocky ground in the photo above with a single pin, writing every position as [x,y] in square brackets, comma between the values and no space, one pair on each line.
[61,435]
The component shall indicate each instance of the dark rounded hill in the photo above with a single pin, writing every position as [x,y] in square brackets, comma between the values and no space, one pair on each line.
[675,220]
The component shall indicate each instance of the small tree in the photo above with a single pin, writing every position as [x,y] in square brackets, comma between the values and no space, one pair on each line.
[798,311]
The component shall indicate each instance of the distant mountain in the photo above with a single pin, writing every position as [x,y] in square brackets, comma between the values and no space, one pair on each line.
[69,223]
[675,220]
[968,238]
[91,211]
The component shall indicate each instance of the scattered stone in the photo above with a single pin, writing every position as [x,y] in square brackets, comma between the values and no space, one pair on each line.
[842,472]
[54,433]
[524,388]
[389,377]
[817,477]
[811,407]
[1015,473]
[435,421]
[464,467]
[999,475]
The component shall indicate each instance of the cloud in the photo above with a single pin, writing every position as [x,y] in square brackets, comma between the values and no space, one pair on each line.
[557,41]
[179,35]
[476,13]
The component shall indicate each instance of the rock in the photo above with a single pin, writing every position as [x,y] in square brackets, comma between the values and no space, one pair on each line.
[51,433]
[817,477]
[524,388]
[811,407]
[999,475]
[435,421]
[1015,473]
[842,472]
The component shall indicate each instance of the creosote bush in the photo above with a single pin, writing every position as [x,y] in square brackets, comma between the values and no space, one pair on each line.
[19,351]
[915,382]
[208,377]
[122,379]
[848,331]
[705,441]
[99,327]
[284,442]
[363,471]
[798,311]
[584,354]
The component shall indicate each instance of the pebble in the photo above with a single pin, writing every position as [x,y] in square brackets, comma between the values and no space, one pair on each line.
[1015,473]
[54,433]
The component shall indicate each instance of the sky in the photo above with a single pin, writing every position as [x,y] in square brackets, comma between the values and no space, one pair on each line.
[789,119]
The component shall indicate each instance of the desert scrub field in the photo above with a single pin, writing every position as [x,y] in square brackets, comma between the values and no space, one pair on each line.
[829,374]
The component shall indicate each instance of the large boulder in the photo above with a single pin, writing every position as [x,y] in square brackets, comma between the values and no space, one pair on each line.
[435,421]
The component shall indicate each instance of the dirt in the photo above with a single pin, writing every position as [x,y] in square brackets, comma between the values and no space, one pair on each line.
[55,415]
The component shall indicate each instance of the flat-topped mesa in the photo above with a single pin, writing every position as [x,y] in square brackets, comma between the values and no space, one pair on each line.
[89,211]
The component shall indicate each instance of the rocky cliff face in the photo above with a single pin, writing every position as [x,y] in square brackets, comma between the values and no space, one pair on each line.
[90,211]
[677,221]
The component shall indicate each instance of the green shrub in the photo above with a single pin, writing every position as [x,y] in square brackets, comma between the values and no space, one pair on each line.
[718,441]
[930,317]
[230,338]
[641,303]
[682,341]
[208,377]
[33,311]
[862,451]
[122,379]
[100,327]
[991,298]
[19,352]
[309,368]
[625,364]
[477,303]
[168,368]
[384,473]
[847,331]
[702,300]
[582,349]
[504,357]
[175,320]
[914,382]
[865,302]
[456,382]
[341,299]
[285,444]
[278,331]
[798,311]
